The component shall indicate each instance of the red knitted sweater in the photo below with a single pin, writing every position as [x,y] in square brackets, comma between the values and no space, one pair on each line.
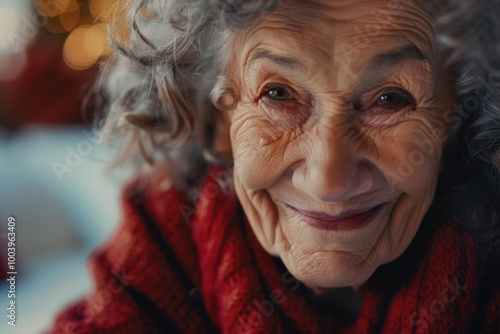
[175,267]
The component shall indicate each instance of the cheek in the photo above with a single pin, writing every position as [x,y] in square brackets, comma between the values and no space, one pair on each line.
[259,149]
[409,155]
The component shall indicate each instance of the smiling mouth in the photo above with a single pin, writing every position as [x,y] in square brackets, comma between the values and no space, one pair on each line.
[347,221]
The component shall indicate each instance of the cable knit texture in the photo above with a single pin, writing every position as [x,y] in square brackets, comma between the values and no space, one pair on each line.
[175,267]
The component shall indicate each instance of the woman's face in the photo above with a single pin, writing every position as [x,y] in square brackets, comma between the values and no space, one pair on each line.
[337,133]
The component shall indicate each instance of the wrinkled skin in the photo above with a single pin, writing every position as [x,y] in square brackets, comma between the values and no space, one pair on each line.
[340,128]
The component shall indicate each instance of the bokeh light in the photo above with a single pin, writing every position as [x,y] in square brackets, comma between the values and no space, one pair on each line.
[50,8]
[84,46]
[84,22]
[100,9]
[69,20]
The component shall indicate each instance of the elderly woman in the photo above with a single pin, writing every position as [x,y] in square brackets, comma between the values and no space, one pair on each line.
[321,166]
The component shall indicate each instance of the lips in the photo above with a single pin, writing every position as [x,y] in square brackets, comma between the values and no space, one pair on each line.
[346,221]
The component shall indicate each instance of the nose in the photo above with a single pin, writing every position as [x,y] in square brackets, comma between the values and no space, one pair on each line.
[335,170]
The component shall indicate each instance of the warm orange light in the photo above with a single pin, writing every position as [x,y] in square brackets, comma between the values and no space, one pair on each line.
[54,26]
[103,31]
[100,9]
[69,20]
[83,47]
[61,5]
[72,5]
[49,8]
[54,8]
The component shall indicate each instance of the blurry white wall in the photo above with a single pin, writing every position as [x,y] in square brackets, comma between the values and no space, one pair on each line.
[60,218]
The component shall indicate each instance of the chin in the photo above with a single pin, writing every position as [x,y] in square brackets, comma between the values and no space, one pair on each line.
[331,269]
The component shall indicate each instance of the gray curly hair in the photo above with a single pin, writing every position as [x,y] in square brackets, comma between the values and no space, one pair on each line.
[167,80]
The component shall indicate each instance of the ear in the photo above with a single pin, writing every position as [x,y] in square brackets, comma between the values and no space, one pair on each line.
[224,99]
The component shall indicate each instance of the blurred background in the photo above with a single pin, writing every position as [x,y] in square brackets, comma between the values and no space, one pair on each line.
[53,177]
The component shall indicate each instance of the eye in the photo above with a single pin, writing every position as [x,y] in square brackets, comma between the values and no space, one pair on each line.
[389,106]
[284,105]
[390,99]
[393,99]
[279,93]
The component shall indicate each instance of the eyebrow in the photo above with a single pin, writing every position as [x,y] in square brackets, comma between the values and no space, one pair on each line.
[281,60]
[391,58]
[395,57]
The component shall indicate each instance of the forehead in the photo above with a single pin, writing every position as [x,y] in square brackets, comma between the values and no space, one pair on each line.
[342,32]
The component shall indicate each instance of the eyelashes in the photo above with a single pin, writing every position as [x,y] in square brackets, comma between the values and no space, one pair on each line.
[282,105]
[279,93]
[279,96]
[391,99]
[388,100]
